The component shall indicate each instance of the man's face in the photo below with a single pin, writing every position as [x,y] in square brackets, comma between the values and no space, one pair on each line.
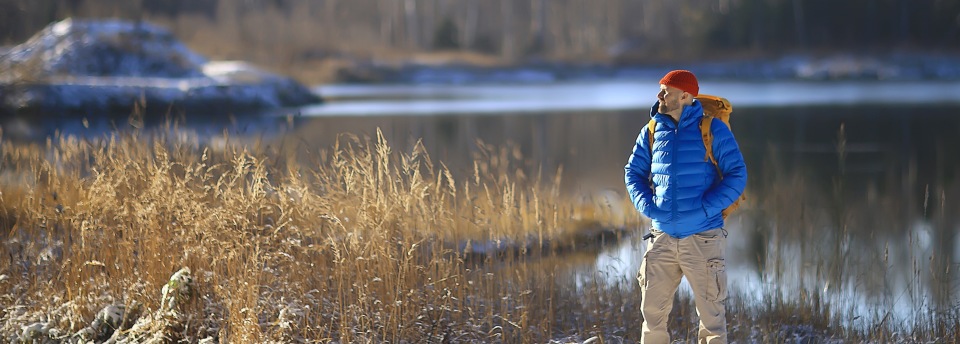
[670,100]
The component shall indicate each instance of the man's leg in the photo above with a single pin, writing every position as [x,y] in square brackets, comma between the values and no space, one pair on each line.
[659,277]
[702,261]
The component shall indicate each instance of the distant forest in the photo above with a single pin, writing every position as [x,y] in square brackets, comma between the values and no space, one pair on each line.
[279,31]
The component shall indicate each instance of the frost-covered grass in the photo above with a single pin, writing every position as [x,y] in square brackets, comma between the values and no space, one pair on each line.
[364,244]
[164,237]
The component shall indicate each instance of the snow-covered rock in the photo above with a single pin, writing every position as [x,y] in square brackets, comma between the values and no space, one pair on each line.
[91,66]
[177,290]
[104,48]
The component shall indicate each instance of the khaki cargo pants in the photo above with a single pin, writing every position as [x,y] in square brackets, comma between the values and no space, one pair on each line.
[699,257]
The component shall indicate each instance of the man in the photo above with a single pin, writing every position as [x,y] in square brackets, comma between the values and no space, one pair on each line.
[675,185]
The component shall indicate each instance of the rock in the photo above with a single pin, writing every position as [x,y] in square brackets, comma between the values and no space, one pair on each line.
[108,320]
[34,333]
[107,66]
[108,48]
[105,324]
[177,290]
[86,334]
[592,340]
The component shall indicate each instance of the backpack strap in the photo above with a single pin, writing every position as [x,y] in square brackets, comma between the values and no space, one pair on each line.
[651,127]
[705,123]
[708,144]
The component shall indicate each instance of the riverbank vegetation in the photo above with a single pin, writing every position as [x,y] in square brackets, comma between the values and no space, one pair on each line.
[168,236]
[363,244]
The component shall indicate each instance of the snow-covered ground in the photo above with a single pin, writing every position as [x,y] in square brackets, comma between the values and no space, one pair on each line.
[894,66]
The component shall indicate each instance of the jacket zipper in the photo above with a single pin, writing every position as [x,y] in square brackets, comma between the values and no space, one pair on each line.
[673,188]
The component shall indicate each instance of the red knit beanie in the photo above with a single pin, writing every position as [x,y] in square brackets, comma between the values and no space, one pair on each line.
[683,80]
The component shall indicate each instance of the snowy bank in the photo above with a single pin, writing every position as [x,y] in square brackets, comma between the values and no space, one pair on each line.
[90,67]
[917,66]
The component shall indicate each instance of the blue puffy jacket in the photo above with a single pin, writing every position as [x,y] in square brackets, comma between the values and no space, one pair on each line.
[684,196]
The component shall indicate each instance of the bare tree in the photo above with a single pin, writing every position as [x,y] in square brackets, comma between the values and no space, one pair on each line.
[471,21]
[538,25]
[507,35]
[798,25]
[410,22]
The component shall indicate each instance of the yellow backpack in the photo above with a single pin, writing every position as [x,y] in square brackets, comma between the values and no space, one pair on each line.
[713,106]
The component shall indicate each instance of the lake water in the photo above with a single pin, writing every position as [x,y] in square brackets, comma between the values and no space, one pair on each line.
[853,194]
[853,191]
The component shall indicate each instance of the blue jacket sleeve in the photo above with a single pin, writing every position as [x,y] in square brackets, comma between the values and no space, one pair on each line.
[638,174]
[731,164]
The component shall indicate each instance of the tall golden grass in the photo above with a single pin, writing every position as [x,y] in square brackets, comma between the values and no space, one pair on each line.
[366,244]
[357,243]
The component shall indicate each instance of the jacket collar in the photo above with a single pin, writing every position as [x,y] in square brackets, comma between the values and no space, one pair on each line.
[691,114]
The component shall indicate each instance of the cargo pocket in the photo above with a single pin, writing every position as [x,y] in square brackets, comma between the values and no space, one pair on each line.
[718,287]
[641,273]
[710,244]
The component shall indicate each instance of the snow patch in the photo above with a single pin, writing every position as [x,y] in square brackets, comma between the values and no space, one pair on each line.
[109,65]
[104,48]
[235,71]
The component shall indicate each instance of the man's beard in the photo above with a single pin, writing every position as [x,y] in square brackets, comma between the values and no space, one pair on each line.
[664,108]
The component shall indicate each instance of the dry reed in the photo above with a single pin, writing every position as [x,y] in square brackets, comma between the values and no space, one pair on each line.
[368,245]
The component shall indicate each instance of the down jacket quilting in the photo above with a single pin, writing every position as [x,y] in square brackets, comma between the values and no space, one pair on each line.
[677,187]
